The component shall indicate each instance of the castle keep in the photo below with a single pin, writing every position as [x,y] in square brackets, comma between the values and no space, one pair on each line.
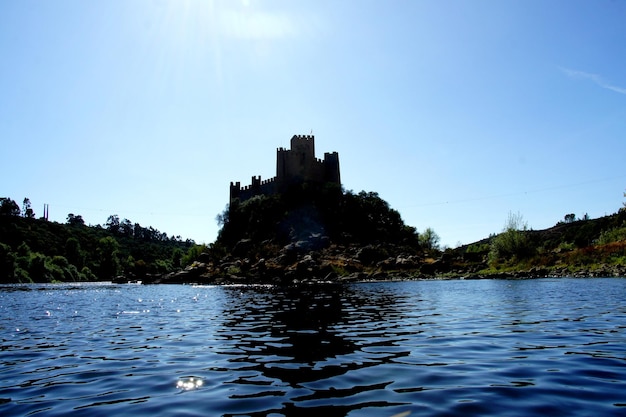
[293,167]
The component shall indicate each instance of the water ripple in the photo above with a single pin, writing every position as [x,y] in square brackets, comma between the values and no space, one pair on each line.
[448,348]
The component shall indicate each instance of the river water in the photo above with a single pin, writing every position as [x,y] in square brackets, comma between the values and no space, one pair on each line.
[421,348]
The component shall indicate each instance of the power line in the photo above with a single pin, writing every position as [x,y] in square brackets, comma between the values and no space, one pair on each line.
[537,190]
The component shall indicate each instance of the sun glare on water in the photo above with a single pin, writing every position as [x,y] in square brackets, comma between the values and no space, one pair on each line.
[187,384]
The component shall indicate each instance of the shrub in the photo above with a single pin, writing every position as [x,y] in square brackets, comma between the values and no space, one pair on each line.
[193,253]
[513,243]
[428,239]
[614,235]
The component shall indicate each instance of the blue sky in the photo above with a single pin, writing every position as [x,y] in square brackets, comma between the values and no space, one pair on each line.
[455,112]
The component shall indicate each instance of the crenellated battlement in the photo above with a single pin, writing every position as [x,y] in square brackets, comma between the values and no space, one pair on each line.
[293,166]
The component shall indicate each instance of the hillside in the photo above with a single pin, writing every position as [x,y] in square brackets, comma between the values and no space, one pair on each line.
[36,250]
[587,247]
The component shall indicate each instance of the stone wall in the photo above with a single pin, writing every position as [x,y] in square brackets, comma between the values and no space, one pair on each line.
[293,166]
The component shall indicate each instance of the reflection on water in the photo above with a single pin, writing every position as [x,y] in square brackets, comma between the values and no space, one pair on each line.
[189,383]
[531,347]
[297,340]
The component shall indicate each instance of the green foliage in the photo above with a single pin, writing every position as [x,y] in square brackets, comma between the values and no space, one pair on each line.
[233,270]
[513,243]
[161,266]
[478,248]
[87,274]
[566,246]
[617,234]
[611,253]
[43,251]
[429,240]
[22,277]
[193,253]
[38,269]
[23,250]
[59,269]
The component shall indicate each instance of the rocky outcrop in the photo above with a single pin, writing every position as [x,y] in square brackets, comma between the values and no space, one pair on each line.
[314,259]
[317,259]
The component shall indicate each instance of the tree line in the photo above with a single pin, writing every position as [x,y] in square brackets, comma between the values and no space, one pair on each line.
[36,250]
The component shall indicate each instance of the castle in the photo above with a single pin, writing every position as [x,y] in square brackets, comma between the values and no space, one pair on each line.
[293,167]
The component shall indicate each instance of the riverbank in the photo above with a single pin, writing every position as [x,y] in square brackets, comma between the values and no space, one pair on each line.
[298,263]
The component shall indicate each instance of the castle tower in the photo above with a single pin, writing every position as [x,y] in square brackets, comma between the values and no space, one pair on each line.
[298,164]
[331,168]
[294,166]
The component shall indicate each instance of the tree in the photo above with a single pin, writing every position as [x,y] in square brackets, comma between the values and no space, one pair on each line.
[75,220]
[73,253]
[7,264]
[570,218]
[108,255]
[306,210]
[428,239]
[37,269]
[222,218]
[9,207]
[138,231]
[177,255]
[113,224]
[513,242]
[126,228]
[27,211]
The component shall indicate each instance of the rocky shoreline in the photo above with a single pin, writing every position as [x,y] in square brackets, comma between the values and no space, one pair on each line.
[318,261]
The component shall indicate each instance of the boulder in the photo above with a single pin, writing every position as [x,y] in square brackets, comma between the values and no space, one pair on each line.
[370,254]
[242,248]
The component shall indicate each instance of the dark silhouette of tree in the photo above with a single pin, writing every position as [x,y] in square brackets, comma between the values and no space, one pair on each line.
[307,210]
[7,264]
[113,224]
[177,256]
[108,251]
[27,211]
[73,252]
[126,228]
[9,207]
[570,218]
[75,220]
[138,232]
